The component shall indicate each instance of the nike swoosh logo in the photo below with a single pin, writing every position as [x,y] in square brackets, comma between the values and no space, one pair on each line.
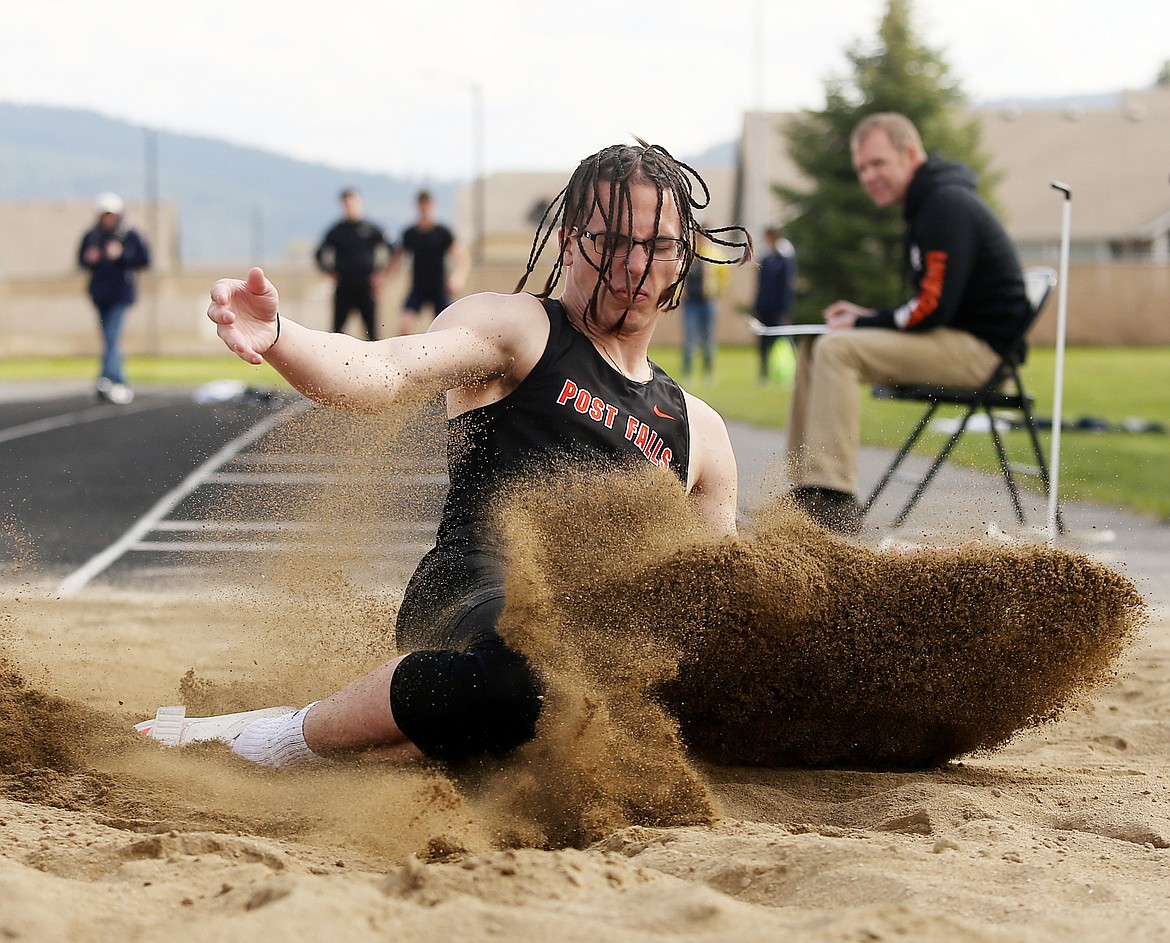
[661,415]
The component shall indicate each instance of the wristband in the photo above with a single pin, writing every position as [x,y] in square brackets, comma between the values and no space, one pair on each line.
[275,339]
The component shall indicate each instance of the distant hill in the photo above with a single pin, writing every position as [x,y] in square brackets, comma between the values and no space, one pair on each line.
[724,154]
[232,200]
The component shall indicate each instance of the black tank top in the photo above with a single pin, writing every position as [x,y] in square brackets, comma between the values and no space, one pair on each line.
[573,404]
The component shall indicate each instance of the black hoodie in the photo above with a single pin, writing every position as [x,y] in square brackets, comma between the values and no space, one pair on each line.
[964,267]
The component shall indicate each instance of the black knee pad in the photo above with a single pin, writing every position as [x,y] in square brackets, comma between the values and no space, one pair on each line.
[457,705]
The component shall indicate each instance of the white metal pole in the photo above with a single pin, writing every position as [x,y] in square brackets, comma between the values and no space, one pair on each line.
[1058,392]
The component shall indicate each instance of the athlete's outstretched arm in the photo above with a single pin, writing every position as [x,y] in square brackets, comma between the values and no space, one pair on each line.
[477,340]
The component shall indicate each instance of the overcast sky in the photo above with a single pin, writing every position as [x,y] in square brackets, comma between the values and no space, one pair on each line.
[389,85]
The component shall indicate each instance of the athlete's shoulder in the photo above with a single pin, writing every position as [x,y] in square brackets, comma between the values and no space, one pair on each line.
[505,313]
[712,477]
[511,331]
[704,419]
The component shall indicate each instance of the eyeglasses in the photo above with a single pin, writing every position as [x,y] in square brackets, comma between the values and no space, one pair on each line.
[616,246]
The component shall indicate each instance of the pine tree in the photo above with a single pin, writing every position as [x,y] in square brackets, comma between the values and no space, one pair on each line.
[847,247]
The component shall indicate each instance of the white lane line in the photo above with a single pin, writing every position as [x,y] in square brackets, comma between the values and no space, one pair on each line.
[273,546]
[419,527]
[77,580]
[292,458]
[278,478]
[316,478]
[76,418]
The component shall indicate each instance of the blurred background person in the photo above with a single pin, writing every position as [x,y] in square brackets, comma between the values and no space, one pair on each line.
[113,253]
[438,265]
[775,290]
[704,284]
[355,253]
[969,307]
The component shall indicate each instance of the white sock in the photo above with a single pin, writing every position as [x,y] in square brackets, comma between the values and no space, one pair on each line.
[276,741]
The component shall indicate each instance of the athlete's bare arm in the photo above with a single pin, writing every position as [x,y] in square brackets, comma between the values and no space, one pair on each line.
[713,479]
[479,345]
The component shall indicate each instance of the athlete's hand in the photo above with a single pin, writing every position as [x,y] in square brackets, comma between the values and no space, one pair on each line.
[244,312]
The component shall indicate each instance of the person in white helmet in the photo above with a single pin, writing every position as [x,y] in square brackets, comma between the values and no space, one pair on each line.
[113,253]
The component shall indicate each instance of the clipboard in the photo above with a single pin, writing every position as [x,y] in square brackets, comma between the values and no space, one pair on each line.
[786,330]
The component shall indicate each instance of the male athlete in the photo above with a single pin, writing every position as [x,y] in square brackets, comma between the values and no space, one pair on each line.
[527,378]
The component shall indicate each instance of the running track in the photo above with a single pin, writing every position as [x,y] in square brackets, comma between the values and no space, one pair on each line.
[101,495]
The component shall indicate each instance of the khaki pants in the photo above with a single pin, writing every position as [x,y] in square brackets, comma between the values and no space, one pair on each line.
[825,425]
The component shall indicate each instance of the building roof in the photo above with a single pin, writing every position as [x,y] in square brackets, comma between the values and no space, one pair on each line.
[1115,160]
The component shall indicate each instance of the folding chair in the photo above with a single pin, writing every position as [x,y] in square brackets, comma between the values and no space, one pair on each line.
[1003,390]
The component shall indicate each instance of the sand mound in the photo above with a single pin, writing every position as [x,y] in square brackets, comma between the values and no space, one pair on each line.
[37,730]
[789,647]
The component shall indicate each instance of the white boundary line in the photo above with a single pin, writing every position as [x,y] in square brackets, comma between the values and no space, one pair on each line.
[75,418]
[420,527]
[77,580]
[274,546]
[316,478]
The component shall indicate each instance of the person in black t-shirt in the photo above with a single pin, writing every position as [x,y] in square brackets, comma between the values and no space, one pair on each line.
[355,252]
[528,380]
[437,269]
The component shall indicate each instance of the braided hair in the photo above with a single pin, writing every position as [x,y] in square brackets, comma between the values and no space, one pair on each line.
[621,165]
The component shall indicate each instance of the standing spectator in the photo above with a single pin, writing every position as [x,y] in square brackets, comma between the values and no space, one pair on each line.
[429,243]
[775,290]
[113,253]
[704,284]
[350,252]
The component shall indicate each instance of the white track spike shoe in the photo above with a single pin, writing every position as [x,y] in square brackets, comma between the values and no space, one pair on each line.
[172,727]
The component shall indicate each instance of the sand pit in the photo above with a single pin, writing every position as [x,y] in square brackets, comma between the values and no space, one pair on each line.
[1064,830]
[619,823]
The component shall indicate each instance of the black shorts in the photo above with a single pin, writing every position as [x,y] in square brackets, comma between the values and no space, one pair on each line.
[437,298]
[461,691]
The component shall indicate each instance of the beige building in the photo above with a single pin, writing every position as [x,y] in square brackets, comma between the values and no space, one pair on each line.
[39,238]
[1115,160]
[1117,163]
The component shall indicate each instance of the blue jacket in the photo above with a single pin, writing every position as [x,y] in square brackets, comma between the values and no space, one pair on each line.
[112,281]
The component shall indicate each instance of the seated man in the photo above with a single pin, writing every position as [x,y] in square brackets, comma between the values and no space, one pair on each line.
[527,379]
[969,306]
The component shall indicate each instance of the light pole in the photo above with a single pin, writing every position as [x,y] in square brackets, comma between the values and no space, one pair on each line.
[759,215]
[478,182]
[150,192]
